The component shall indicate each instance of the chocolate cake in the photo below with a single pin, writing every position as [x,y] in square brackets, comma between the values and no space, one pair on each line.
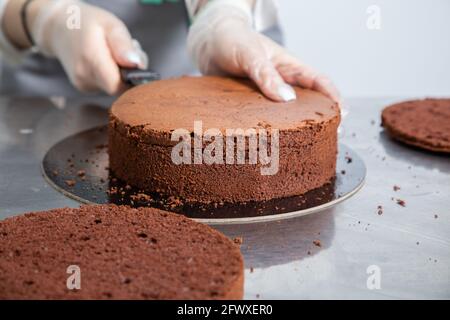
[420,123]
[121,253]
[143,120]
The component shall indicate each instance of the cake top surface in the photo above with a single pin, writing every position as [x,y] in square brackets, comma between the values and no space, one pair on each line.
[122,253]
[219,103]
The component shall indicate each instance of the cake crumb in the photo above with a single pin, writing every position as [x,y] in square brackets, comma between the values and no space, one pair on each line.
[380,210]
[317,243]
[70,183]
[81,173]
[140,197]
[251,269]
[348,159]
[238,240]
[396,188]
[435,216]
[401,202]
[101,146]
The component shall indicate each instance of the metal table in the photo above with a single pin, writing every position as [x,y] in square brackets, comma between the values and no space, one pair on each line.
[408,247]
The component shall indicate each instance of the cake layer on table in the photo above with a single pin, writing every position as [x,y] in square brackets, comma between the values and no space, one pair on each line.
[420,123]
[118,253]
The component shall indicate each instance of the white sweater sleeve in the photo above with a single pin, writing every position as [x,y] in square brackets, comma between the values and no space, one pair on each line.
[8,51]
[264,12]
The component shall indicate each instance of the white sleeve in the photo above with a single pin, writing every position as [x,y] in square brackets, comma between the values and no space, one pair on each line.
[264,12]
[8,51]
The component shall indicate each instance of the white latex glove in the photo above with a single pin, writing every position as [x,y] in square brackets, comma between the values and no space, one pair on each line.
[90,54]
[222,41]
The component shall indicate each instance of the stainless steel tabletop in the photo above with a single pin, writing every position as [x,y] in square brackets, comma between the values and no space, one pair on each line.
[406,250]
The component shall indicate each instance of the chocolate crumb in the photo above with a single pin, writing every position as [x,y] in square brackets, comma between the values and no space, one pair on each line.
[396,188]
[401,202]
[348,159]
[380,210]
[101,146]
[251,269]
[141,197]
[238,240]
[81,173]
[317,243]
[435,216]
[343,171]
[70,183]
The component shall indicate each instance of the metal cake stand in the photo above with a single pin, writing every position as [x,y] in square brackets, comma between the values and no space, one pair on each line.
[78,167]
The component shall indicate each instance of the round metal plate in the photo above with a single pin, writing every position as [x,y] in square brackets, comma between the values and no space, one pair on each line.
[78,167]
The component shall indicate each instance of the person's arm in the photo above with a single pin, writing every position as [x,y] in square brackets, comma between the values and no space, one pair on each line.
[90,52]
[222,40]
[11,24]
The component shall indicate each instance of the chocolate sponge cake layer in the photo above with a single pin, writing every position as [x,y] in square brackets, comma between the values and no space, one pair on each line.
[122,253]
[143,119]
[420,123]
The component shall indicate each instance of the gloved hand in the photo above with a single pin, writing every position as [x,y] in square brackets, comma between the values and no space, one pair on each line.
[91,53]
[222,41]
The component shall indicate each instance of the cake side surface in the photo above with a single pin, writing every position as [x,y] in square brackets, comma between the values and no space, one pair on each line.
[140,147]
[122,253]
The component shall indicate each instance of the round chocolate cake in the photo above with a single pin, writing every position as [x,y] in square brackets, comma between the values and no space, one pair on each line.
[111,252]
[420,123]
[236,144]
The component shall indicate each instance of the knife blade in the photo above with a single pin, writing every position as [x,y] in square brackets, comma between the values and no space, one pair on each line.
[134,76]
